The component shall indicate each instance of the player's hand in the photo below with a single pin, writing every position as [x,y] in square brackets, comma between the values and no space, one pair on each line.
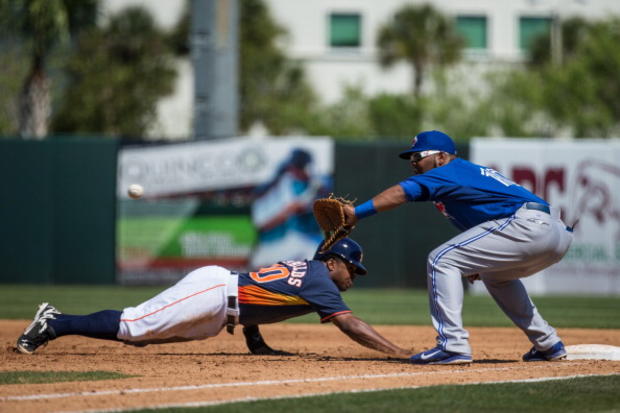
[256,344]
[268,351]
[349,215]
[472,278]
[404,354]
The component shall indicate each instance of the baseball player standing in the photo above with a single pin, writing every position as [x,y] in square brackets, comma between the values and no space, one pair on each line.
[210,298]
[508,233]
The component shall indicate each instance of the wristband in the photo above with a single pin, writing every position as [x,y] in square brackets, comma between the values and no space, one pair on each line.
[365,210]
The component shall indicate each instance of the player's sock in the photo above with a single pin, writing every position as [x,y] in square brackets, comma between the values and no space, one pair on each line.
[103,324]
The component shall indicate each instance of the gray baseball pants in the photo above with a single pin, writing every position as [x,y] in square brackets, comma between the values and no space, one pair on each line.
[500,251]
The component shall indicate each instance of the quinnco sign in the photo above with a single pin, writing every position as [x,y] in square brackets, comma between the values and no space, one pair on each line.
[206,166]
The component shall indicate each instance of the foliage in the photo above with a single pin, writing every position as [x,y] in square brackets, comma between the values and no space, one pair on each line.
[120,100]
[572,31]
[14,70]
[580,95]
[421,36]
[395,115]
[456,106]
[40,25]
[44,23]
[273,88]
[461,113]
[346,119]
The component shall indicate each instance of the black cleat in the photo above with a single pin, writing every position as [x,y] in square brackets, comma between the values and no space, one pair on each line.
[38,332]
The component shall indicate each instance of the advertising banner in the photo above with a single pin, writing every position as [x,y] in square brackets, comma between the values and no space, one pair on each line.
[582,179]
[240,203]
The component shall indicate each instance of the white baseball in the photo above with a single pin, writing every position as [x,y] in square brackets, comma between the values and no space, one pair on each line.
[135,191]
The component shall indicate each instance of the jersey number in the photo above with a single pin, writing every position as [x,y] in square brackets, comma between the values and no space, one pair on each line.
[268,274]
[492,173]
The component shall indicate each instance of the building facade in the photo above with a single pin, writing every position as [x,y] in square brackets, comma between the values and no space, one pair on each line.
[336,42]
[336,39]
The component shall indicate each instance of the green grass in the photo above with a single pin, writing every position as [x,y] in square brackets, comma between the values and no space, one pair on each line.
[30,377]
[375,306]
[586,394]
[20,301]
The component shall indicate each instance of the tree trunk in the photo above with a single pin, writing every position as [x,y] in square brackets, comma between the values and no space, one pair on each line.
[418,77]
[34,103]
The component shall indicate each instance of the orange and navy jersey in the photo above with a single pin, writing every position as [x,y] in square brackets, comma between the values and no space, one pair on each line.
[288,289]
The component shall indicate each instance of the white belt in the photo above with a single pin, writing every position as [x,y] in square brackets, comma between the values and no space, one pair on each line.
[232,305]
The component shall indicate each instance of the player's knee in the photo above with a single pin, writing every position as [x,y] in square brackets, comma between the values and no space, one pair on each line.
[433,258]
[437,264]
[432,263]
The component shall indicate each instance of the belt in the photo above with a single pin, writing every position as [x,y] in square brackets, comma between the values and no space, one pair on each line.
[232,305]
[537,207]
[544,208]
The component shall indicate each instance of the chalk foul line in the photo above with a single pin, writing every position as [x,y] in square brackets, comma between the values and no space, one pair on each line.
[255,383]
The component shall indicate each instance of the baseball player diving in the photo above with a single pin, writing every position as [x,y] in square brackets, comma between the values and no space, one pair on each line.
[508,233]
[210,298]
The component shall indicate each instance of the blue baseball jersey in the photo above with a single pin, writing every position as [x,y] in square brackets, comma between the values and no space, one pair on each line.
[468,194]
[288,289]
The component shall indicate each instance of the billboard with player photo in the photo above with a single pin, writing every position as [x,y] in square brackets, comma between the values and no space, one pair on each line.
[240,203]
[582,179]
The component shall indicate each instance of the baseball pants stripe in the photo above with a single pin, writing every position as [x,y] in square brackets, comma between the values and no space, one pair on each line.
[434,295]
[192,309]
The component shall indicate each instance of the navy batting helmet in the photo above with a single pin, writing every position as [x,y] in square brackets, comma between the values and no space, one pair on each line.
[346,249]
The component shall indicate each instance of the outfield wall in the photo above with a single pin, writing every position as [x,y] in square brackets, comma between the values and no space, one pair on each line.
[62,204]
[57,209]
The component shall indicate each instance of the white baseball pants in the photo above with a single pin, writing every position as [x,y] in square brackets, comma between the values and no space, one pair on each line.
[192,309]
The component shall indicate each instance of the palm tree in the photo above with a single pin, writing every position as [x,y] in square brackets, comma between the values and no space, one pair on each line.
[421,36]
[572,32]
[41,24]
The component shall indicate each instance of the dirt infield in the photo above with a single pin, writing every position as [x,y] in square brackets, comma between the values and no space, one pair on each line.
[220,369]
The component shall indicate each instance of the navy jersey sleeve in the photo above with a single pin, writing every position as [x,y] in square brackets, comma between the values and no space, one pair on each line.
[321,293]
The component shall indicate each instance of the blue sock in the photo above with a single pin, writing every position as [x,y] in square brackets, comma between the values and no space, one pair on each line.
[103,324]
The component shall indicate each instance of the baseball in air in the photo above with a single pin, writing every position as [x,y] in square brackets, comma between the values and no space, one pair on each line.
[135,191]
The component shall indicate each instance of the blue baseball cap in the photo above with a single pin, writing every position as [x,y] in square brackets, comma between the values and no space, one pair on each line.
[430,140]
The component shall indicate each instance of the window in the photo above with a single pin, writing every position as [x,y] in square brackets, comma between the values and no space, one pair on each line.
[344,30]
[474,31]
[530,28]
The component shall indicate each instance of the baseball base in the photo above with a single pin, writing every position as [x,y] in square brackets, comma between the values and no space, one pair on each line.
[593,352]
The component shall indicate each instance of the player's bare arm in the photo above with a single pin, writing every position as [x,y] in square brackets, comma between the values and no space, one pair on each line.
[390,198]
[365,335]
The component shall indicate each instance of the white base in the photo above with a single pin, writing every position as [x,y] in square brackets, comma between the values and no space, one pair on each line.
[593,352]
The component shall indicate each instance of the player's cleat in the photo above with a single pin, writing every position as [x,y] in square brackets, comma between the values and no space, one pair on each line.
[38,332]
[555,353]
[438,356]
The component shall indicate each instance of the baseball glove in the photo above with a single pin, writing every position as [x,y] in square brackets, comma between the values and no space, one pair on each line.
[329,214]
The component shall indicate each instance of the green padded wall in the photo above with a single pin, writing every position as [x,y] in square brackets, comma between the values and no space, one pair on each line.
[58,211]
[397,242]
